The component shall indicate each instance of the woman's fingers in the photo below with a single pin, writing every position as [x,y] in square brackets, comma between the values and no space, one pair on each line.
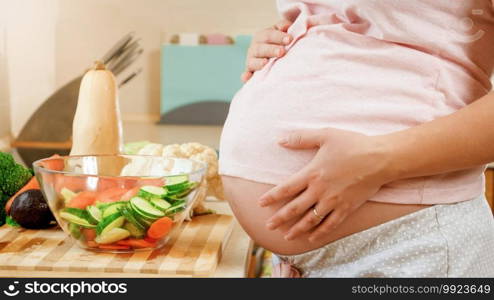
[283,25]
[293,209]
[331,222]
[289,189]
[265,51]
[273,36]
[311,219]
[303,139]
[246,76]
[255,64]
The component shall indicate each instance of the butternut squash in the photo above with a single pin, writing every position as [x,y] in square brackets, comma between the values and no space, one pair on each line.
[97,126]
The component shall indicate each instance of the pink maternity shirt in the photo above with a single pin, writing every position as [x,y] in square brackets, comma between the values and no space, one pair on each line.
[368,66]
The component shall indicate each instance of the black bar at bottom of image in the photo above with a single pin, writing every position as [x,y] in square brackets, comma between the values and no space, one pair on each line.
[186,288]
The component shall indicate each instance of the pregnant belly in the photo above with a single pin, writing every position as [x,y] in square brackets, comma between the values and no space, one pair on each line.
[243,195]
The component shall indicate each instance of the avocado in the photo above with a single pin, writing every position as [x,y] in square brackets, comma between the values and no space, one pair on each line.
[30,210]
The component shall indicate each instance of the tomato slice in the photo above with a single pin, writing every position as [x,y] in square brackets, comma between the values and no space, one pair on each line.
[82,200]
[111,195]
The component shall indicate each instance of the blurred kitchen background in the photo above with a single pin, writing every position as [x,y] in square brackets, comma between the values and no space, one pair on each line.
[46,44]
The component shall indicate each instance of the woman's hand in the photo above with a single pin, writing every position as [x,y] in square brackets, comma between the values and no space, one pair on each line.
[347,170]
[266,44]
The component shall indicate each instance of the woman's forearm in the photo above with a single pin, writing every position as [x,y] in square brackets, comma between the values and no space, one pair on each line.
[458,141]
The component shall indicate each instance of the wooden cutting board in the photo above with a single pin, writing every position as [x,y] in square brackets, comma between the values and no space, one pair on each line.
[194,250]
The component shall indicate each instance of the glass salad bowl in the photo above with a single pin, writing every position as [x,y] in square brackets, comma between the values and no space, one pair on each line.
[120,203]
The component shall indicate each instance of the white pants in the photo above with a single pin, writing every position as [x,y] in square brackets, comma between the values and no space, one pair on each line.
[450,240]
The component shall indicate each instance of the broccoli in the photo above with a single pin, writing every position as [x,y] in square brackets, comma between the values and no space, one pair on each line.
[11,222]
[3,199]
[12,175]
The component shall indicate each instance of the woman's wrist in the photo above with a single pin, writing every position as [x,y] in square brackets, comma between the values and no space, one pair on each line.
[393,165]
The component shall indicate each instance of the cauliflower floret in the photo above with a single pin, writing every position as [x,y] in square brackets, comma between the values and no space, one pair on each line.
[152,149]
[197,152]
[172,151]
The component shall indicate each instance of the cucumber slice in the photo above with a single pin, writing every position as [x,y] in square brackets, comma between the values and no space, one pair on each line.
[191,186]
[112,235]
[94,214]
[112,209]
[67,195]
[77,216]
[127,213]
[150,191]
[177,188]
[173,180]
[110,222]
[105,205]
[75,230]
[145,221]
[145,208]
[176,207]
[160,204]
[134,231]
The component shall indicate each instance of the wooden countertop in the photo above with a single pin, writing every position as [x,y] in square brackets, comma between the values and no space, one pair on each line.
[236,257]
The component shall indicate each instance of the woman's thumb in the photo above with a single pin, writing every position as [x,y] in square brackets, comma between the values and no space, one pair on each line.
[303,139]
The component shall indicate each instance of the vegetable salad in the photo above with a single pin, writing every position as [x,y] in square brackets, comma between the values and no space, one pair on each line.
[121,219]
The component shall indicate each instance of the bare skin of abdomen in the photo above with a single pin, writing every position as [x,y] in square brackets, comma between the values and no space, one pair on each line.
[243,197]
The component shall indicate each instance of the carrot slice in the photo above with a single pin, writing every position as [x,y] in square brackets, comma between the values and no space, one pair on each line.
[107,183]
[89,234]
[136,243]
[113,247]
[92,244]
[111,195]
[82,200]
[160,228]
[32,184]
[150,240]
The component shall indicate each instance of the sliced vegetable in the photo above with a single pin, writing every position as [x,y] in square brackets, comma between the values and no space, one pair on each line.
[67,195]
[82,200]
[176,207]
[137,243]
[160,228]
[146,222]
[150,240]
[174,180]
[112,209]
[145,208]
[109,223]
[150,191]
[92,244]
[112,235]
[107,183]
[160,204]
[89,234]
[113,247]
[75,230]
[73,183]
[77,216]
[94,213]
[130,194]
[110,195]
[134,230]
[129,215]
